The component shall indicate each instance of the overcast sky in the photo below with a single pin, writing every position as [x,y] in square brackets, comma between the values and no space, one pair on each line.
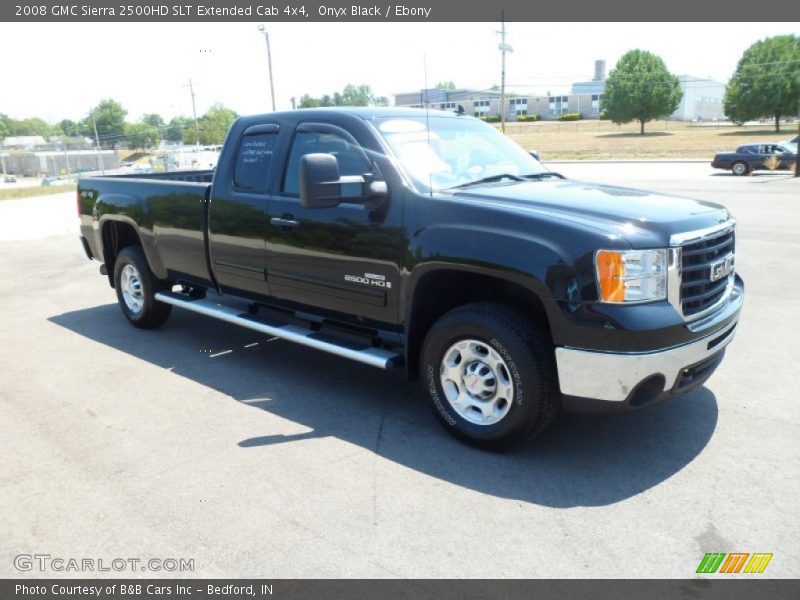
[58,71]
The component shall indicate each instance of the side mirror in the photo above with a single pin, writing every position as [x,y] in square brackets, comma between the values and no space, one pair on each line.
[321,184]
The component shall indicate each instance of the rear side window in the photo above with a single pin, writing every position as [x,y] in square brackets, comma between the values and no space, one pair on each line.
[253,161]
[351,159]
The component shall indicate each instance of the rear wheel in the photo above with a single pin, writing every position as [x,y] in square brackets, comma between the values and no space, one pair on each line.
[136,287]
[490,375]
[740,168]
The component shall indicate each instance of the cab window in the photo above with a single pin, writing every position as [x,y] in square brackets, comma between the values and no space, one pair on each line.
[253,160]
[351,159]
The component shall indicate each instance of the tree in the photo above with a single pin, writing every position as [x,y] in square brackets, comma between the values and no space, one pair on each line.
[640,88]
[4,128]
[32,126]
[351,95]
[356,95]
[110,119]
[446,85]
[141,136]
[179,128]
[215,123]
[307,101]
[766,81]
[68,127]
[153,119]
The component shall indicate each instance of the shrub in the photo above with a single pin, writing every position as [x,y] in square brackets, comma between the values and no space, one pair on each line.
[491,118]
[528,118]
[570,117]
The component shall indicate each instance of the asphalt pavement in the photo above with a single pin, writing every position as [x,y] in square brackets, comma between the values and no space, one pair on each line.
[258,458]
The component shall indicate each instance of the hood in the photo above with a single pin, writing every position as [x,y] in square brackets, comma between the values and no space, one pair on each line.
[645,219]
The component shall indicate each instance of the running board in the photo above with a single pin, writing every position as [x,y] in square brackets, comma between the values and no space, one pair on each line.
[376,357]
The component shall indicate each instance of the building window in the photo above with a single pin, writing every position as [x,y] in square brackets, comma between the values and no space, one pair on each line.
[559,105]
[518,106]
[481,108]
[447,105]
[596,99]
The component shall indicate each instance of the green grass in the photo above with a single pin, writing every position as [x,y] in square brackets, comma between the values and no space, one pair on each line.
[28,192]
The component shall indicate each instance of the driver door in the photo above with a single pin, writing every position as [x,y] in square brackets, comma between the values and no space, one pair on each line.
[343,259]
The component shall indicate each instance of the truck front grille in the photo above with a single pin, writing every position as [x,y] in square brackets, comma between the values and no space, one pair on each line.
[698,292]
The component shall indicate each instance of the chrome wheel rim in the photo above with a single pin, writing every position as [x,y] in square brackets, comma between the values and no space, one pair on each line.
[476,382]
[130,284]
[738,168]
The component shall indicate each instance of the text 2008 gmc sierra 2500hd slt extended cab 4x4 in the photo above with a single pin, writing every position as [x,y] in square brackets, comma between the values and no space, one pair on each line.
[430,241]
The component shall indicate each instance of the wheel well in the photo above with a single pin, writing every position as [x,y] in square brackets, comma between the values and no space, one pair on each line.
[460,287]
[116,236]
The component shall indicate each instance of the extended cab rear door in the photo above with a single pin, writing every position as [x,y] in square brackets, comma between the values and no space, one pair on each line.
[237,214]
[344,259]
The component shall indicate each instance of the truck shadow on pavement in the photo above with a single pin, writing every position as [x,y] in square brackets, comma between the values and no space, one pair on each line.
[578,461]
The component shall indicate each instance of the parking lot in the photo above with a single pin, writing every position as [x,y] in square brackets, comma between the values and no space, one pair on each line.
[259,458]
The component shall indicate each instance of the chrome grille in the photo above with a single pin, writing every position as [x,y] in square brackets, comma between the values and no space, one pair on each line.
[698,293]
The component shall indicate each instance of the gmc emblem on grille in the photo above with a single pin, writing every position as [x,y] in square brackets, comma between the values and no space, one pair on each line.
[721,269]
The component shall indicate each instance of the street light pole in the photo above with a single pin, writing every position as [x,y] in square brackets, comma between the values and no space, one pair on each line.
[503,47]
[797,145]
[263,30]
[97,145]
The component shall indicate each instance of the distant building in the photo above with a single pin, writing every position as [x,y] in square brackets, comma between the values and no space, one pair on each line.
[442,99]
[480,104]
[702,99]
[584,99]
[23,142]
[596,86]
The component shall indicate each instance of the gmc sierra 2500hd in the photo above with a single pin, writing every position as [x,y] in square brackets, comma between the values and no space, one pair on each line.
[430,241]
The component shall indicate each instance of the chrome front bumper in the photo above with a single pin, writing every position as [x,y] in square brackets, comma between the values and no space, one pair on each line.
[621,377]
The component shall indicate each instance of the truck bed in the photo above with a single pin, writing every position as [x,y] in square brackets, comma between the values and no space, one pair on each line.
[167,209]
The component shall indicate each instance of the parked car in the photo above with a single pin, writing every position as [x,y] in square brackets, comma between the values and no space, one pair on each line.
[435,244]
[754,157]
[51,181]
[10,179]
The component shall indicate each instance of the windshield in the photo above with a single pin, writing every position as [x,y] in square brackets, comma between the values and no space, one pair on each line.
[445,152]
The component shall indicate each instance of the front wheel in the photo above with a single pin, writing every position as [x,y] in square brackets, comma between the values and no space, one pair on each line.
[136,287]
[490,375]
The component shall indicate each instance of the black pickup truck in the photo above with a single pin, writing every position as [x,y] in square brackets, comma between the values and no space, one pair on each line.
[429,241]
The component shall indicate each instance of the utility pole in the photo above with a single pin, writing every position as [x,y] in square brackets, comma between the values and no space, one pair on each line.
[97,145]
[263,30]
[503,47]
[194,112]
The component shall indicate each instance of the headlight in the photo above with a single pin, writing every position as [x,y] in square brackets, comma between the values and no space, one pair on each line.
[631,275]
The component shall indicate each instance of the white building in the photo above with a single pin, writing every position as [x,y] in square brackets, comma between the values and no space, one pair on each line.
[702,99]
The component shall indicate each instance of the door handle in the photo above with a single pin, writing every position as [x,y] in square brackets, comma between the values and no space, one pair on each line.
[284,223]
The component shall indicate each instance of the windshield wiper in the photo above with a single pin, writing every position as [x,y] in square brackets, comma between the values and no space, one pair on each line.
[544,174]
[490,179]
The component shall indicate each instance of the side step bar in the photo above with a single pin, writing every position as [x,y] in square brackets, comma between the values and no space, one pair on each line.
[376,357]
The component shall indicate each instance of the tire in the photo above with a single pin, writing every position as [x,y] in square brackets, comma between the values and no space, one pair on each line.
[136,287]
[490,375]
[740,168]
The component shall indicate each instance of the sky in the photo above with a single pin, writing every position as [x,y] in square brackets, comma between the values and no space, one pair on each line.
[61,70]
